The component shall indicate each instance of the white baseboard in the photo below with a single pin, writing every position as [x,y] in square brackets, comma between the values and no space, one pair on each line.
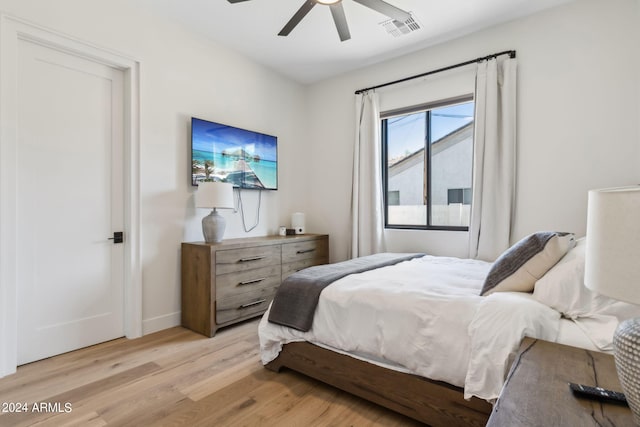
[159,323]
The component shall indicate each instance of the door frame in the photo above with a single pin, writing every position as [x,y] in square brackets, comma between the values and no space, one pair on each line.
[12,30]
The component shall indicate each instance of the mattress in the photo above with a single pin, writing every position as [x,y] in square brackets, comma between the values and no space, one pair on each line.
[568,334]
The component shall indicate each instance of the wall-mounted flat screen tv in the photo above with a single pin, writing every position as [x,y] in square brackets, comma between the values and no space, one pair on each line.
[225,153]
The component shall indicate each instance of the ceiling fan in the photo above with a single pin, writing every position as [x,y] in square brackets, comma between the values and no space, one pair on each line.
[339,17]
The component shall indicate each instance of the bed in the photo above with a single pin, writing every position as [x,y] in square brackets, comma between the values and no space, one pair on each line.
[439,351]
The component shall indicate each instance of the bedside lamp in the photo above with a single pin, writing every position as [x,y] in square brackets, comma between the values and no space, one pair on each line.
[612,268]
[214,195]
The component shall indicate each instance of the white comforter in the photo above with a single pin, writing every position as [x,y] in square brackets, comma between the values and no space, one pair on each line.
[423,316]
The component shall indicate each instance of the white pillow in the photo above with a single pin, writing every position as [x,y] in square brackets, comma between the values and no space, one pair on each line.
[562,286]
[518,268]
[562,289]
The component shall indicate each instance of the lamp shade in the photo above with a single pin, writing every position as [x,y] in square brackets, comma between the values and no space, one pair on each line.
[612,264]
[214,195]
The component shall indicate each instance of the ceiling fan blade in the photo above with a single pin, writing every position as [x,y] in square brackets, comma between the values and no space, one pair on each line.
[339,18]
[236,1]
[297,17]
[386,9]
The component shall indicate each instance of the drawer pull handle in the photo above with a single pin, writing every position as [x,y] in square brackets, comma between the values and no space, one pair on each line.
[249,282]
[253,258]
[306,251]
[251,304]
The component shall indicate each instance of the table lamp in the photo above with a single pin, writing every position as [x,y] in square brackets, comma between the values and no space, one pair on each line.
[214,195]
[612,268]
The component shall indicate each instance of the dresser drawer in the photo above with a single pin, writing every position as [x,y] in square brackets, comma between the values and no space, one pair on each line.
[309,249]
[246,281]
[243,305]
[237,260]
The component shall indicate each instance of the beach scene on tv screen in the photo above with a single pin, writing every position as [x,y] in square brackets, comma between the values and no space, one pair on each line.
[228,154]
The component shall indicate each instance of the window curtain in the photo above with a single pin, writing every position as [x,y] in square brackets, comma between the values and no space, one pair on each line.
[494,159]
[367,219]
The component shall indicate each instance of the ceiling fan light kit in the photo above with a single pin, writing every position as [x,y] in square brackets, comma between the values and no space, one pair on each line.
[339,17]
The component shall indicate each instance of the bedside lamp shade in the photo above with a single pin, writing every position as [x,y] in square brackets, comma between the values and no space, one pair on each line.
[214,195]
[612,268]
[612,265]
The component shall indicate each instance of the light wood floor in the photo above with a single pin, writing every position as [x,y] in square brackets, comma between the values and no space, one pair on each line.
[178,378]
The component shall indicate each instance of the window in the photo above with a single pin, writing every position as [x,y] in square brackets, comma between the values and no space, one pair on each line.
[459,195]
[428,157]
[393,198]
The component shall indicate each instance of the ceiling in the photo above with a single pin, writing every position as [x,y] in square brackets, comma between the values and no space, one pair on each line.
[313,50]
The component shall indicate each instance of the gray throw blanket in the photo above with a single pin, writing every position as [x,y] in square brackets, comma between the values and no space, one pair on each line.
[297,297]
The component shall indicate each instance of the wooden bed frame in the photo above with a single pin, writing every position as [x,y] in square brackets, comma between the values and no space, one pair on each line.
[431,402]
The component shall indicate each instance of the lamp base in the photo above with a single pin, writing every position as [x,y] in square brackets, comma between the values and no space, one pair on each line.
[626,347]
[213,226]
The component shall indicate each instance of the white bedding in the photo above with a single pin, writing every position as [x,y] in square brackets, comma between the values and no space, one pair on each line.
[434,323]
[571,334]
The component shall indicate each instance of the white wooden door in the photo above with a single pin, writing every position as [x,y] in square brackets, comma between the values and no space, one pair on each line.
[69,202]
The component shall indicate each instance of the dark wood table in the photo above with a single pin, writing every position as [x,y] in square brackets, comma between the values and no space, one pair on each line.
[537,393]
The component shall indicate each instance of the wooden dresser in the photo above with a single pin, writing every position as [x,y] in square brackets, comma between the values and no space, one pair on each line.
[236,279]
[537,392]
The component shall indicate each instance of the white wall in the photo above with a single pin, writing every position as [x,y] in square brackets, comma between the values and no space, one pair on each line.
[183,75]
[578,107]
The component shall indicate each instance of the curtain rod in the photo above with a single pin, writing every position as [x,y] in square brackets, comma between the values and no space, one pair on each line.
[512,54]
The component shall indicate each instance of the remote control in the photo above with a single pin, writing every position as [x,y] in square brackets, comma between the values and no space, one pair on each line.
[597,393]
